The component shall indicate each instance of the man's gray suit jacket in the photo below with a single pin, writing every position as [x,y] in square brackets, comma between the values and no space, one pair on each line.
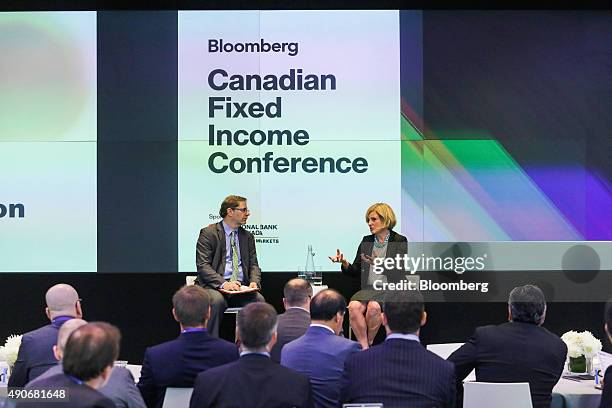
[211,252]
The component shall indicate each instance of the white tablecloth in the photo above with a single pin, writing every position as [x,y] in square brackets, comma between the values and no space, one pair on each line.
[578,394]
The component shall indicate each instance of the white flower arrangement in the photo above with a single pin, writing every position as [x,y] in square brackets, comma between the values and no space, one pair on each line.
[9,351]
[581,344]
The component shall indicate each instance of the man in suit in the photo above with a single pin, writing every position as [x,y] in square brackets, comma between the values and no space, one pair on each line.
[296,319]
[520,350]
[321,352]
[226,259]
[400,372]
[120,387]
[176,363]
[254,381]
[35,354]
[88,362]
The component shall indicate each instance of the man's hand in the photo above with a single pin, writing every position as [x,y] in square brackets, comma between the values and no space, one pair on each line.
[231,286]
[253,285]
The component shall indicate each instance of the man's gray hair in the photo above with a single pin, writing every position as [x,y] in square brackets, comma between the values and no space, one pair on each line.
[527,304]
[256,325]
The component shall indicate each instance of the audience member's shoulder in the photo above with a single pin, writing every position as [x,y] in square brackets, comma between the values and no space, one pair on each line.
[556,340]
[218,371]
[439,361]
[42,381]
[57,369]
[281,317]
[41,331]
[121,374]
[344,343]
[370,354]
[290,374]
[491,330]
[102,401]
[550,334]
[163,347]
[225,345]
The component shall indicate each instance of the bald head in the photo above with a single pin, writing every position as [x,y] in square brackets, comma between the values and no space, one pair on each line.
[327,308]
[63,300]
[91,350]
[65,331]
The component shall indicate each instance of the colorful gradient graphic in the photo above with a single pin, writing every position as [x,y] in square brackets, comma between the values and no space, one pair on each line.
[48,76]
[48,141]
[490,151]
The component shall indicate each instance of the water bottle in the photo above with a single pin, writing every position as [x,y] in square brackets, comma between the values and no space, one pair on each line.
[4,373]
[309,269]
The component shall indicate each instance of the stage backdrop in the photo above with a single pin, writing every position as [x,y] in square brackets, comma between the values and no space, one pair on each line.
[487,132]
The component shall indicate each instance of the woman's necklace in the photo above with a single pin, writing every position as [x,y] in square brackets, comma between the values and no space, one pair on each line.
[384,243]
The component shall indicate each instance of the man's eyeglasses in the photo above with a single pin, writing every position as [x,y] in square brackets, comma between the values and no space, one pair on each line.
[244,210]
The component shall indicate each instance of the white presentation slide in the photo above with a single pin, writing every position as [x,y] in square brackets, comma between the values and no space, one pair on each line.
[299,112]
[48,109]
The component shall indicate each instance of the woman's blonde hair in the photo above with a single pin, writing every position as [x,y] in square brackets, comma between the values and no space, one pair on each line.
[386,214]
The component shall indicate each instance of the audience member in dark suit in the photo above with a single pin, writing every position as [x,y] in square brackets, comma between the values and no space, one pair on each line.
[35,354]
[365,305]
[296,319]
[517,351]
[254,381]
[606,396]
[321,352]
[88,362]
[226,258]
[120,387]
[400,372]
[176,363]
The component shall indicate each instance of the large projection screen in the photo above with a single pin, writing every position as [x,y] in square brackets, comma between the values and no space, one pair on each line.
[48,141]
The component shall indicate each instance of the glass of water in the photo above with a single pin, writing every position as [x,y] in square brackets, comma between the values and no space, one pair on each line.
[301,272]
[317,278]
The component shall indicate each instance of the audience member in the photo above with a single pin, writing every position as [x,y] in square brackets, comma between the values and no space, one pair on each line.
[176,363]
[606,396]
[400,372]
[35,354]
[88,362]
[321,352]
[517,351]
[254,381]
[294,322]
[120,387]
